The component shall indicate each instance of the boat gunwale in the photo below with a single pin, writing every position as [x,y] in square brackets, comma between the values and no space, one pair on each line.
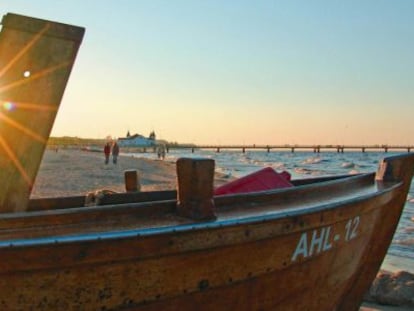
[67,202]
[195,226]
[238,198]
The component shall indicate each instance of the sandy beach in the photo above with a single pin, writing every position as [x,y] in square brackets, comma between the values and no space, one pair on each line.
[70,172]
[75,172]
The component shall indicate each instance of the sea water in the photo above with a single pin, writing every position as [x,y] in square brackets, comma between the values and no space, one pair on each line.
[301,164]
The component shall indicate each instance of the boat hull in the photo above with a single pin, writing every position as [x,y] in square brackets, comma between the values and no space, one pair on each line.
[301,262]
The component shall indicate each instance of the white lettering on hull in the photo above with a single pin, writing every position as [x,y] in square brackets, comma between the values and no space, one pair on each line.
[322,239]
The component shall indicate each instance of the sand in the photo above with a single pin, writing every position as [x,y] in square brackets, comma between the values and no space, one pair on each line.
[70,172]
[76,172]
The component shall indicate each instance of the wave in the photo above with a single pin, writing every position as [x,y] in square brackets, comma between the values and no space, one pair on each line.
[400,251]
[406,242]
[307,171]
[316,160]
[348,165]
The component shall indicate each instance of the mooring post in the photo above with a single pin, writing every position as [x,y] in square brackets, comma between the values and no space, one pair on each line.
[132,183]
[195,180]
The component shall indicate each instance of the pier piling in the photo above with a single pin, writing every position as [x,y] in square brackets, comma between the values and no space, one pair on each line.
[293,148]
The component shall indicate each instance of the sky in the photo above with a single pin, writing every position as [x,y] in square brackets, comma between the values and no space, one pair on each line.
[238,72]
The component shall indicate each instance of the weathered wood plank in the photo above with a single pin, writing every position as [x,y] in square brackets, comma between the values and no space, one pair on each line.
[36,58]
[195,179]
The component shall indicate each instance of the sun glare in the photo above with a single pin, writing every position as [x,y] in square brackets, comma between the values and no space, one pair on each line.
[9,106]
[12,156]
[24,51]
[22,128]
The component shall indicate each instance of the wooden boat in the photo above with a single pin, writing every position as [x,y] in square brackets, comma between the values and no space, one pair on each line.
[314,246]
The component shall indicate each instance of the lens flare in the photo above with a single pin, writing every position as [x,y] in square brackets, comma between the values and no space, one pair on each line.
[9,106]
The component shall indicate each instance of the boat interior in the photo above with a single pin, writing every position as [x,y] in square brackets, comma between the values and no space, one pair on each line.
[140,212]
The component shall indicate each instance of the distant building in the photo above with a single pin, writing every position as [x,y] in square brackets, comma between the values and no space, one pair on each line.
[137,140]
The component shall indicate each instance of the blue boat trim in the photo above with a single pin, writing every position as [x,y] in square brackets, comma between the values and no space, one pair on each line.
[133,233]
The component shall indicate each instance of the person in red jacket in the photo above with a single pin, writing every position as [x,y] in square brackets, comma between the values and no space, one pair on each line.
[107,152]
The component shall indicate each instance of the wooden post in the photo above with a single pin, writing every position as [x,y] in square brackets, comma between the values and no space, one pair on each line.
[195,188]
[36,58]
[132,183]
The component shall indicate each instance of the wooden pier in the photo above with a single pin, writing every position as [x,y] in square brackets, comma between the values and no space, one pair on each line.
[293,148]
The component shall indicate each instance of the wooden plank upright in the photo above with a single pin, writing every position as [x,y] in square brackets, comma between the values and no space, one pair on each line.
[36,58]
[132,183]
[195,179]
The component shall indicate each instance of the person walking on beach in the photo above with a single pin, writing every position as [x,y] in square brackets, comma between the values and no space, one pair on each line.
[107,152]
[115,152]
[161,152]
